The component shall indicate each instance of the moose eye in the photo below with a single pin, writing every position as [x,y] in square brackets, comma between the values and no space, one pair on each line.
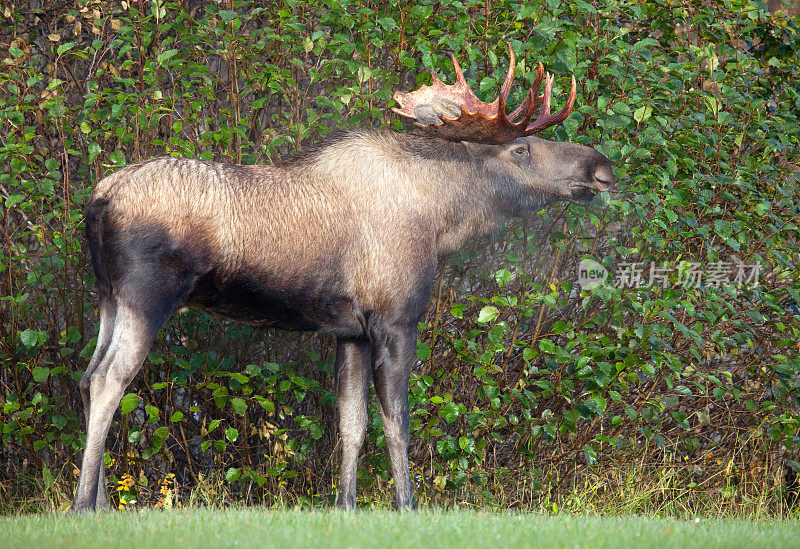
[519,151]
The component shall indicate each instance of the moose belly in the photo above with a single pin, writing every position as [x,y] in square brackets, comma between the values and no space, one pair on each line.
[301,305]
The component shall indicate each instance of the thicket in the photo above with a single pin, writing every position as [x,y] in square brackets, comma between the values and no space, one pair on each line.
[675,393]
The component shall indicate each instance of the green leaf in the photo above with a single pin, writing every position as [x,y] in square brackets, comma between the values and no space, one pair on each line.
[363,74]
[642,113]
[232,474]
[64,48]
[159,436]
[40,374]
[232,434]
[488,314]
[47,477]
[590,454]
[165,55]
[449,412]
[241,378]
[457,310]
[547,346]
[31,337]
[129,403]
[59,421]
[502,277]
[12,200]
[11,406]
[560,327]
[94,151]
[423,350]
[265,403]
[722,227]
[177,416]
[227,15]
[152,412]
[387,23]
[239,405]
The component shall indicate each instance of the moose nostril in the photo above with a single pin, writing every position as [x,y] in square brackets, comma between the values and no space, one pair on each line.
[603,176]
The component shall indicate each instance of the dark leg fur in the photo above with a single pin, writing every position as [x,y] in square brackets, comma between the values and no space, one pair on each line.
[353,368]
[393,356]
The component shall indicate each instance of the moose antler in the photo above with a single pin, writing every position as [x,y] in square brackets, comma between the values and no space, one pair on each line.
[455,113]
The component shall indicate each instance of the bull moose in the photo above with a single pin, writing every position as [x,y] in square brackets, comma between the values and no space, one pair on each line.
[342,238]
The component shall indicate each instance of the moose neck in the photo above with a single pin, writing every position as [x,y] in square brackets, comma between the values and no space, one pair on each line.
[456,190]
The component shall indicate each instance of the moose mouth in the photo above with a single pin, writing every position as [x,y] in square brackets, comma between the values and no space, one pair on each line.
[583,195]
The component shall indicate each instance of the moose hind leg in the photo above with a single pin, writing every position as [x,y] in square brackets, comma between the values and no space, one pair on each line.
[133,333]
[353,368]
[393,355]
[108,314]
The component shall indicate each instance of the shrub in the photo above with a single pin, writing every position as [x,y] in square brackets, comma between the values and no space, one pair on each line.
[529,391]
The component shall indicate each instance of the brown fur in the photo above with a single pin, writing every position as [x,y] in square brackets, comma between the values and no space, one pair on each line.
[372,198]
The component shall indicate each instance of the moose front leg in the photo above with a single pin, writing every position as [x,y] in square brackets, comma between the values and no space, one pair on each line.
[353,368]
[393,355]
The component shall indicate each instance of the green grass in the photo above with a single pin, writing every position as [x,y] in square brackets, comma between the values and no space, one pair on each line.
[238,527]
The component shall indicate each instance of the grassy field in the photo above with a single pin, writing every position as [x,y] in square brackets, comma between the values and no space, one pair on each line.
[265,528]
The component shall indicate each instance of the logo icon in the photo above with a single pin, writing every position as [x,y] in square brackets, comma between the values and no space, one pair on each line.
[591,274]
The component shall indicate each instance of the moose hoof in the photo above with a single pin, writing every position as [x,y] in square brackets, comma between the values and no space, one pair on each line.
[78,508]
[346,504]
[410,506]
